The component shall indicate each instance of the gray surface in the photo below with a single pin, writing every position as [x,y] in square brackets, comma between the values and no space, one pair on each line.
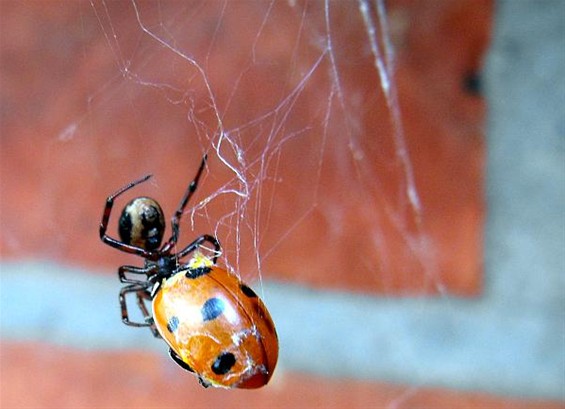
[487,346]
[525,242]
[511,341]
[525,87]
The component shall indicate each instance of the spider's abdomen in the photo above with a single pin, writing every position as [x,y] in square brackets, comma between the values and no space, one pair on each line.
[142,223]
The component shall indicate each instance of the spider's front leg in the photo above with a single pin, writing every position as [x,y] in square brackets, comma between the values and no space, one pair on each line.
[110,203]
[198,243]
[180,209]
[106,218]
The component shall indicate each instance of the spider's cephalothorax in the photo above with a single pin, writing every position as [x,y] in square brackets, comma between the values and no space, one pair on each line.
[142,223]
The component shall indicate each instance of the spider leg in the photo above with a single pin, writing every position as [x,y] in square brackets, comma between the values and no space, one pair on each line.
[142,293]
[198,242]
[135,270]
[141,296]
[184,201]
[106,217]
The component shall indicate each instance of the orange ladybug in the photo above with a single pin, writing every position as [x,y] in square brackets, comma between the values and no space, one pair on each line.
[215,325]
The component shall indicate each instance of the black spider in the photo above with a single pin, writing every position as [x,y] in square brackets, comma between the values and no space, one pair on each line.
[141,230]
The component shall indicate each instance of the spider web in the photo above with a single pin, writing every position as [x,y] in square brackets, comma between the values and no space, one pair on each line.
[284,122]
[279,163]
[309,175]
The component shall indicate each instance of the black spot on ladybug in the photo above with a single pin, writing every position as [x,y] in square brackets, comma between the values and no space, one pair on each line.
[193,273]
[173,324]
[223,363]
[212,309]
[247,291]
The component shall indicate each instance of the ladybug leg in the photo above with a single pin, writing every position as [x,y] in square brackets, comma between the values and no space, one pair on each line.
[186,367]
[179,361]
[134,270]
[133,288]
[204,383]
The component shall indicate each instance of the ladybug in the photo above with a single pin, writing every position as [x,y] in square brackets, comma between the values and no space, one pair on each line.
[214,324]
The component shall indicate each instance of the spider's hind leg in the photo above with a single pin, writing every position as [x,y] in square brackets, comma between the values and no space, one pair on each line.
[142,294]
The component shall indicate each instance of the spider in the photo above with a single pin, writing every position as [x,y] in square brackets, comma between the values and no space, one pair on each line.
[141,229]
